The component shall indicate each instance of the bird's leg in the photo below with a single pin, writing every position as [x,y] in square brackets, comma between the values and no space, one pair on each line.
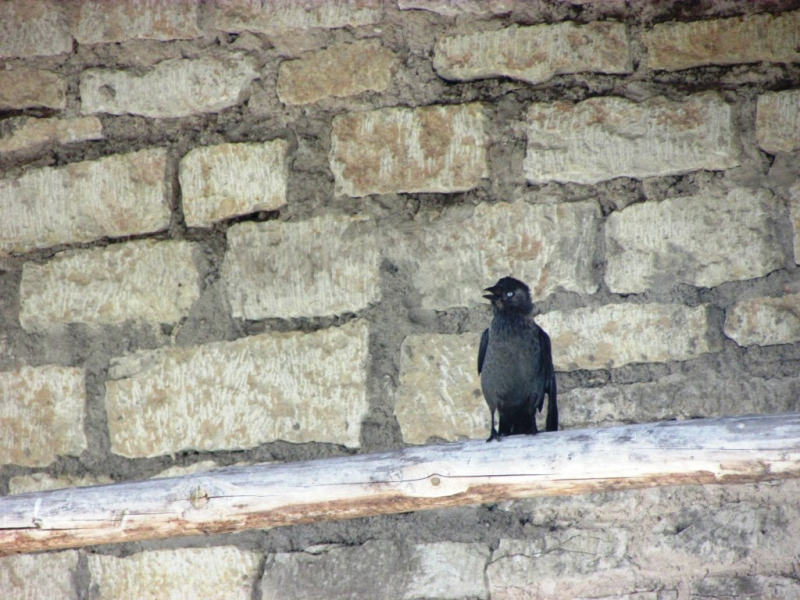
[534,431]
[494,435]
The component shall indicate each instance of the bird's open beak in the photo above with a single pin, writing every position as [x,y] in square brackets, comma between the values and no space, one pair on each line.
[493,293]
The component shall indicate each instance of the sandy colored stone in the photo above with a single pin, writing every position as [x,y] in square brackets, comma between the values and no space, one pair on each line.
[534,54]
[142,281]
[31,88]
[548,246]
[172,88]
[340,71]
[33,28]
[700,240]
[278,17]
[218,572]
[427,149]
[41,482]
[607,137]
[41,414]
[778,120]
[754,38]
[764,321]
[794,213]
[297,387]
[322,266]
[227,180]
[440,392]
[110,197]
[33,576]
[31,135]
[618,334]
[454,8]
[107,22]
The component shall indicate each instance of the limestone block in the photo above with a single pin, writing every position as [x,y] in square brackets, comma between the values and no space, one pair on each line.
[440,392]
[427,149]
[104,22]
[31,88]
[51,576]
[340,71]
[143,281]
[700,240]
[223,181]
[534,54]
[742,586]
[451,8]
[298,387]
[323,266]
[278,17]
[778,120]
[172,88]
[754,38]
[794,212]
[618,334]
[109,197]
[764,321]
[41,414]
[41,482]
[603,138]
[33,28]
[31,135]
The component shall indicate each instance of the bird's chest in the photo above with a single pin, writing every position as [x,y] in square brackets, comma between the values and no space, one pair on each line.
[510,360]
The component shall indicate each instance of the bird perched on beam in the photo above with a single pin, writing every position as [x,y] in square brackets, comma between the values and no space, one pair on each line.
[515,362]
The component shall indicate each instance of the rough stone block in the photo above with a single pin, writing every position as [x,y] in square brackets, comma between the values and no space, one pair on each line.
[141,281]
[323,266]
[279,17]
[764,321]
[31,135]
[411,571]
[534,54]
[754,38]
[428,149]
[549,247]
[172,88]
[28,576]
[344,70]
[110,197]
[220,182]
[41,482]
[440,391]
[700,240]
[31,88]
[618,334]
[41,414]
[449,8]
[745,586]
[293,386]
[220,572]
[608,137]
[778,120]
[33,28]
[794,212]
[104,22]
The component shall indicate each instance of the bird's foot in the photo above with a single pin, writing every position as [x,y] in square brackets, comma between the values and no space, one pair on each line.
[495,436]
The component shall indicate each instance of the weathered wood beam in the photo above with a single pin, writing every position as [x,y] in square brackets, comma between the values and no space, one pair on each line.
[724,450]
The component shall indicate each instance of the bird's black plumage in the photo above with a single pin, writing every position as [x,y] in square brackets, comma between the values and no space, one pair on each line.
[515,362]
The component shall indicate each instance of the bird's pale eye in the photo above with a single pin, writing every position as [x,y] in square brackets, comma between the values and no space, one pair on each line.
[509,294]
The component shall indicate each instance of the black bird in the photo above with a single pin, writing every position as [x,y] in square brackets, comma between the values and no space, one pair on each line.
[515,362]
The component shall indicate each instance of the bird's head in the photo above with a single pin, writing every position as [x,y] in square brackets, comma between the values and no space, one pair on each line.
[510,295]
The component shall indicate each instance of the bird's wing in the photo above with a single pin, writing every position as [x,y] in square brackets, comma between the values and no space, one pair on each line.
[482,350]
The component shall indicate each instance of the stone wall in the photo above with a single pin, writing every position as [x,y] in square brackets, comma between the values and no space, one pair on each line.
[236,232]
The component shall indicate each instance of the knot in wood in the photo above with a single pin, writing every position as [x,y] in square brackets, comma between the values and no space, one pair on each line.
[198,497]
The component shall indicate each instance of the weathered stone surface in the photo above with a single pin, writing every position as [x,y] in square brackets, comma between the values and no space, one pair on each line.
[608,137]
[323,266]
[778,120]
[30,135]
[104,22]
[700,240]
[172,88]
[449,8]
[440,391]
[344,70]
[411,571]
[219,182]
[31,88]
[428,149]
[618,334]
[29,576]
[754,38]
[547,246]
[794,212]
[114,196]
[142,281]
[230,395]
[677,397]
[220,572]
[33,28]
[743,586]
[534,54]
[41,414]
[764,321]
[277,17]
[41,482]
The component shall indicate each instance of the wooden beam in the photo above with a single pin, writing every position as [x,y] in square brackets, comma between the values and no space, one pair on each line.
[724,450]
